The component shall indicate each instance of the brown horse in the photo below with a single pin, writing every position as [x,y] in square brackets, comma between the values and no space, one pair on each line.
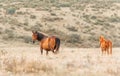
[106,45]
[47,43]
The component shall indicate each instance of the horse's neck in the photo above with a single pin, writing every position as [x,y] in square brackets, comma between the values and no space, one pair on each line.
[45,36]
[105,40]
[41,37]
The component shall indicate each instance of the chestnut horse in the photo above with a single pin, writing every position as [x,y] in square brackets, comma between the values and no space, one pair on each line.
[106,45]
[47,43]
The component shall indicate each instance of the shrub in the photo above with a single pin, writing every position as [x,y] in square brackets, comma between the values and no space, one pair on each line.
[11,11]
[26,23]
[14,22]
[32,16]
[65,5]
[36,27]
[8,35]
[1,30]
[53,14]
[71,28]
[93,17]
[20,13]
[114,19]
[73,38]
[27,39]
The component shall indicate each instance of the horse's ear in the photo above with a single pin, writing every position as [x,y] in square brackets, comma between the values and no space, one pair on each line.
[36,32]
[32,31]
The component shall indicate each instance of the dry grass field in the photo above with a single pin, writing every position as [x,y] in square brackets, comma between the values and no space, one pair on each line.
[27,61]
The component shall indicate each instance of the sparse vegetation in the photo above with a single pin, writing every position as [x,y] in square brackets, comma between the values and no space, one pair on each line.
[71,28]
[32,16]
[27,39]
[8,35]
[73,38]
[61,18]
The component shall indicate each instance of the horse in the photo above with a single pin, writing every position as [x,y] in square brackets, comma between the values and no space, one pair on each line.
[48,43]
[106,45]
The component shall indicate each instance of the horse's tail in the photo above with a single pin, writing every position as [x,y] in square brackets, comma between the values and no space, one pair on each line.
[57,46]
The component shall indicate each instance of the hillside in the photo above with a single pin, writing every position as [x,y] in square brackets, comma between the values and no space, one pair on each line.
[78,23]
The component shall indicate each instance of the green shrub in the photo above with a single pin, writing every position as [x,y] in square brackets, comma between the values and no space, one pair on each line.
[11,11]
[93,17]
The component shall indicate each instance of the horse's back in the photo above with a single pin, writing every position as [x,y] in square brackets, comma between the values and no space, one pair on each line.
[48,43]
[54,42]
[110,43]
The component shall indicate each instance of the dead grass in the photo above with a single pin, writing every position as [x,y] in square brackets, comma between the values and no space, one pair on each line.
[69,62]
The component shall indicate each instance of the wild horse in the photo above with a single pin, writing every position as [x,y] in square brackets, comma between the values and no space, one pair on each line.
[106,45]
[47,43]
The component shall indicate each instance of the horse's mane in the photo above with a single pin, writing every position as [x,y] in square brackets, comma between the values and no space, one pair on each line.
[41,35]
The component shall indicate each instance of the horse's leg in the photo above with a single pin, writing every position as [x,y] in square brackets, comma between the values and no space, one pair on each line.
[46,52]
[102,51]
[110,47]
[107,51]
[53,51]
[41,49]
[110,50]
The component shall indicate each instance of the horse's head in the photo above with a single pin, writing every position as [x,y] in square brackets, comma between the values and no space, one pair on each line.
[101,38]
[37,36]
[34,36]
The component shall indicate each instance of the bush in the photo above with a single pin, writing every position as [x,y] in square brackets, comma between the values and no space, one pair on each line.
[53,14]
[11,11]
[1,30]
[8,35]
[20,13]
[73,38]
[27,39]
[32,16]
[36,27]
[115,19]
[93,17]
[71,28]
[65,5]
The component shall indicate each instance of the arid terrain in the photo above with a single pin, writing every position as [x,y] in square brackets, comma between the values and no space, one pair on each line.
[78,24]
[27,61]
